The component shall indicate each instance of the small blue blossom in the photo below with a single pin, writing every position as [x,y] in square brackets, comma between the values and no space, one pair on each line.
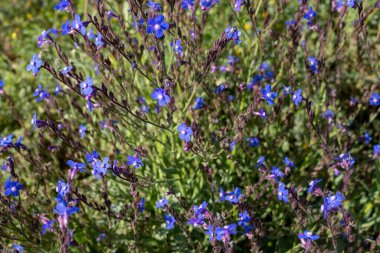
[187,4]
[332,203]
[142,205]
[169,221]
[91,157]
[219,89]
[6,141]
[78,25]
[307,235]
[100,168]
[346,161]
[260,161]
[223,233]
[197,221]
[209,232]
[34,65]
[313,64]
[207,4]
[77,166]
[282,193]
[40,93]
[154,6]
[353,3]
[47,226]
[199,103]
[12,188]
[82,131]
[253,142]
[232,33]
[238,4]
[268,95]
[276,173]
[288,163]
[287,90]
[1,85]
[86,87]
[178,49]
[374,99]
[185,132]
[376,150]
[160,95]
[290,22]
[201,209]
[134,161]
[63,5]
[157,25]
[34,121]
[313,185]
[17,247]
[45,39]
[297,97]
[233,197]
[63,210]
[310,15]
[99,41]
[162,203]
[62,189]
[66,27]
[367,138]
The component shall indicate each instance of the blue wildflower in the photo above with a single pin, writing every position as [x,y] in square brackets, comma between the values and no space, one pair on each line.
[207,4]
[178,49]
[313,64]
[6,141]
[100,168]
[18,248]
[376,150]
[185,132]
[34,121]
[141,205]
[34,65]
[187,4]
[268,95]
[282,193]
[40,93]
[219,89]
[66,27]
[374,99]
[91,157]
[12,188]
[157,25]
[238,4]
[260,161]
[1,85]
[62,189]
[234,196]
[223,233]
[160,95]
[63,210]
[82,131]
[63,5]
[367,138]
[47,226]
[162,203]
[154,6]
[313,185]
[253,142]
[198,103]
[232,33]
[290,22]
[310,15]
[288,163]
[77,166]
[78,25]
[134,161]
[169,221]
[332,203]
[99,41]
[297,97]
[86,87]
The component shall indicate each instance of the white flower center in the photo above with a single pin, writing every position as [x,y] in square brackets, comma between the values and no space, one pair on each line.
[159,97]
[157,26]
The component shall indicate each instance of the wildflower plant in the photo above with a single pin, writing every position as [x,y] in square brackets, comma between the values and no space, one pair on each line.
[130,119]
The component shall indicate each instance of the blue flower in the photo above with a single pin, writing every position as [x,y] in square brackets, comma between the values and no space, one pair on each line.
[309,15]
[287,90]
[374,99]
[207,4]
[178,49]
[141,205]
[313,64]
[244,220]
[232,33]
[45,39]
[1,85]
[86,87]
[288,163]
[100,168]
[187,4]
[134,161]
[268,95]
[328,115]
[367,138]
[199,103]
[154,6]
[160,95]
[63,5]
[201,209]
[66,27]
[91,157]
[346,161]
[82,131]
[313,185]
[12,188]
[376,149]
[197,221]
[162,203]
[224,232]
[282,193]
[307,235]
[238,4]
[111,14]
[62,189]
[138,23]
[332,203]
[253,142]
[47,226]
[6,141]
[209,232]
[157,25]
[78,25]
[63,210]
[17,247]
[353,3]
[260,161]
[185,132]
[77,166]
[290,22]
[297,97]
[233,197]
[40,93]
[34,121]
[219,89]
[34,65]
[99,41]
[276,173]
[169,220]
